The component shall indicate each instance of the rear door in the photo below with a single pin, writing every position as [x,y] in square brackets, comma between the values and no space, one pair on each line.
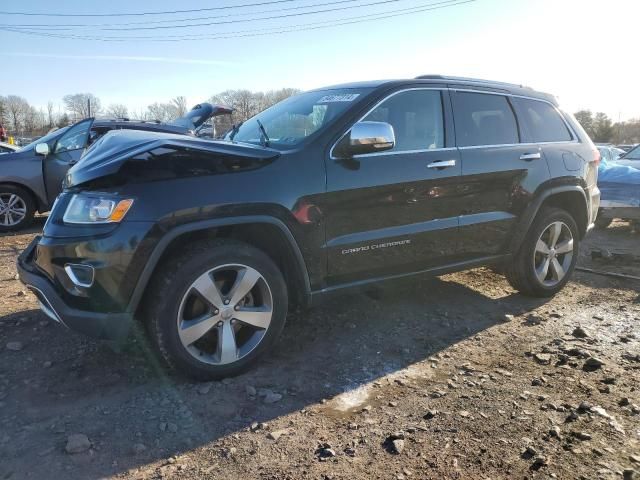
[499,172]
[396,211]
[66,151]
[544,125]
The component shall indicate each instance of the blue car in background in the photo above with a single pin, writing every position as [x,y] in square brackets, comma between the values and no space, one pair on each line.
[619,184]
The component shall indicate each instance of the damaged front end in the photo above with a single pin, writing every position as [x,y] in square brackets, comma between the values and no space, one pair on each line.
[134,156]
[117,204]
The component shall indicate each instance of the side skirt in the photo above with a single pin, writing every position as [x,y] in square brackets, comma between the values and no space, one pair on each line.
[318,296]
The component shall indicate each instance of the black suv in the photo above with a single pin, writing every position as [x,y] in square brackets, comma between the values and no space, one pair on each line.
[210,242]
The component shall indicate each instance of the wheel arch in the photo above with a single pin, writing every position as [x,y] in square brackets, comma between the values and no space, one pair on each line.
[571,198]
[267,233]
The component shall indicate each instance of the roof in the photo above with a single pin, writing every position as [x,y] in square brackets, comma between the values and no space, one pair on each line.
[453,82]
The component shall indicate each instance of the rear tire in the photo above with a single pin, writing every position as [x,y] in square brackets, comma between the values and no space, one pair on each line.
[17,208]
[548,255]
[199,316]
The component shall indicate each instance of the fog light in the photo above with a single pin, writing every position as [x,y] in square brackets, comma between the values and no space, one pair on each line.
[80,275]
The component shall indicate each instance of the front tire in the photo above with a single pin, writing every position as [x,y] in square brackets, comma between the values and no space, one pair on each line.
[215,308]
[548,255]
[17,208]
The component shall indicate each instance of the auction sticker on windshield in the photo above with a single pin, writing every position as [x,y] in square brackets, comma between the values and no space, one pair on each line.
[345,97]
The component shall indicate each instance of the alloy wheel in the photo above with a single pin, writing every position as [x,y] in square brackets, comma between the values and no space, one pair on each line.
[553,254]
[225,314]
[13,209]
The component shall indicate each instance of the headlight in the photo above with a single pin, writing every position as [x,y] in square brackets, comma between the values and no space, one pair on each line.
[96,208]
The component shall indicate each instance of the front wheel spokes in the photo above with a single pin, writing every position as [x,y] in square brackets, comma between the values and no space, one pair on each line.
[543,270]
[227,347]
[206,287]
[190,331]
[557,271]
[259,317]
[246,279]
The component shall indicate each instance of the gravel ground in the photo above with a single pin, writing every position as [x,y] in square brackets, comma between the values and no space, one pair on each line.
[452,377]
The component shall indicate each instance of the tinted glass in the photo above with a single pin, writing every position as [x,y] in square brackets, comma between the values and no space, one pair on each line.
[483,119]
[416,118]
[543,121]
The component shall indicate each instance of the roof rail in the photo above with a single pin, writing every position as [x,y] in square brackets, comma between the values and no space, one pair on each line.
[469,79]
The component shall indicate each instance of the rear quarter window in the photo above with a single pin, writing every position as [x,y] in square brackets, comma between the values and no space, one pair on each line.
[484,119]
[542,121]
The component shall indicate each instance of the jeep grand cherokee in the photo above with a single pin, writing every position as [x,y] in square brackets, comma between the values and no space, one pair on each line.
[208,243]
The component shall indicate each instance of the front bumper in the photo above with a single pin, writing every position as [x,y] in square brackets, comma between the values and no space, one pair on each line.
[106,326]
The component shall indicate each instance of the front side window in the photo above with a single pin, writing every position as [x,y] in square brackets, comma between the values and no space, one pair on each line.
[75,138]
[293,120]
[416,118]
[484,119]
[543,122]
[46,139]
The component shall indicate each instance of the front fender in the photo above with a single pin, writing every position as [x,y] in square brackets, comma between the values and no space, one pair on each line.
[202,225]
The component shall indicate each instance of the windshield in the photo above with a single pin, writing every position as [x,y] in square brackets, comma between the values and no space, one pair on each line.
[291,121]
[633,154]
[49,136]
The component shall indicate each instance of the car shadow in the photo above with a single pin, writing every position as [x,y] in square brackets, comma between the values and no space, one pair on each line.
[36,227]
[64,383]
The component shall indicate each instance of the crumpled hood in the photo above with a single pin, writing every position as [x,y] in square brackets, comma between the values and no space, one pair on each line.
[110,152]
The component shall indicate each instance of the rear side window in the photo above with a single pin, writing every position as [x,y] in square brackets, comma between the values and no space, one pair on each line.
[542,121]
[483,119]
[416,118]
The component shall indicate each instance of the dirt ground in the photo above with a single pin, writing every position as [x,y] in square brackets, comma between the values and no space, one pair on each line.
[451,377]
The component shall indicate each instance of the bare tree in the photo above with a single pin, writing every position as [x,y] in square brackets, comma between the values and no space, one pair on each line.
[33,120]
[51,118]
[63,120]
[246,104]
[274,96]
[118,110]
[3,110]
[180,104]
[78,105]
[16,110]
[162,112]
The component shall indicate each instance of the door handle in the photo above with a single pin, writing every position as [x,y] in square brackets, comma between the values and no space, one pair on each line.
[530,156]
[442,164]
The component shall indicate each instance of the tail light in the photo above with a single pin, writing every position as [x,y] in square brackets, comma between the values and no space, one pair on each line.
[596,156]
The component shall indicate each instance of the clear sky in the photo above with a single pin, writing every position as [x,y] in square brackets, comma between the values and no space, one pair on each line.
[583,51]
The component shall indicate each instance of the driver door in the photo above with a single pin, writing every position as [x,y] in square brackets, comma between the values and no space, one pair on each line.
[66,151]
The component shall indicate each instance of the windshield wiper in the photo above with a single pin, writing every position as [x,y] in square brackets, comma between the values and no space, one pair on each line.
[264,138]
[234,130]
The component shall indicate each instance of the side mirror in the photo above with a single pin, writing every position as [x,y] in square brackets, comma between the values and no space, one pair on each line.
[42,149]
[367,137]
